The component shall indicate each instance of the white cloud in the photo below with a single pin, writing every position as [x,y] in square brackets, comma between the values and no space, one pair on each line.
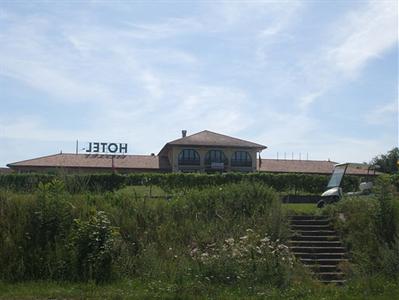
[147,81]
[383,114]
[364,35]
[308,99]
[169,28]
[353,41]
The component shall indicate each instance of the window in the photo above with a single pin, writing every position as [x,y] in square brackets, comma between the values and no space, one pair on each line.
[241,159]
[215,156]
[189,157]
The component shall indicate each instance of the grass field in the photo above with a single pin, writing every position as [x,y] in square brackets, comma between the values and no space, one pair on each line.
[222,242]
[136,289]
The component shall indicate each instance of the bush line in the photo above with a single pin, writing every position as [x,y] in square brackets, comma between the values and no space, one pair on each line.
[76,183]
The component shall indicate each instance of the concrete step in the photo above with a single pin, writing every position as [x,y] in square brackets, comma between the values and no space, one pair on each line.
[311,227]
[307,243]
[310,222]
[317,256]
[335,282]
[322,268]
[308,217]
[322,261]
[315,232]
[309,238]
[318,249]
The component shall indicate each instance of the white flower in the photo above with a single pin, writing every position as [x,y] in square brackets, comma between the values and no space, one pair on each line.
[230,241]
[265,240]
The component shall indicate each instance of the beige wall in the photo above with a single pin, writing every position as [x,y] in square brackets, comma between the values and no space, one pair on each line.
[175,151]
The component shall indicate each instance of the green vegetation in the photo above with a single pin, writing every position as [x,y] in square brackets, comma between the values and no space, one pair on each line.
[369,226]
[219,241]
[300,208]
[388,162]
[52,234]
[78,183]
[374,288]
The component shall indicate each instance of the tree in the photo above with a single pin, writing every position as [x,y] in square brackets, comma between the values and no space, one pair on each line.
[388,162]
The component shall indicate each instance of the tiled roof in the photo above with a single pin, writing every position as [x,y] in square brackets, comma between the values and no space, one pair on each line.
[213,139]
[154,163]
[305,166]
[5,170]
[96,161]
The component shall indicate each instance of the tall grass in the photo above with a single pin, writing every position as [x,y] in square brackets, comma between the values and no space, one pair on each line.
[369,226]
[56,235]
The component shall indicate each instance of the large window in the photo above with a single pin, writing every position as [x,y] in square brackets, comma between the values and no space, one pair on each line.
[241,159]
[189,157]
[215,156]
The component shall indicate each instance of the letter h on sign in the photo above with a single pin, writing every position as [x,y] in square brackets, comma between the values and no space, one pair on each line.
[122,148]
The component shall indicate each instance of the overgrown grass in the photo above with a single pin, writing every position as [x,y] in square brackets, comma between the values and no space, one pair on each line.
[222,241]
[53,234]
[143,191]
[369,227]
[372,289]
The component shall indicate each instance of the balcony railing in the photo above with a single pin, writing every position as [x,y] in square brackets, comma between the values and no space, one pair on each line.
[209,162]
[241,163]
[189,162]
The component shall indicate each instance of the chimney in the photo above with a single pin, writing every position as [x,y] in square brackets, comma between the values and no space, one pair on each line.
[183,133]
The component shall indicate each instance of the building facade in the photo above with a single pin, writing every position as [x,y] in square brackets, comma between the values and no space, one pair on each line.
[204,151]
[207,151]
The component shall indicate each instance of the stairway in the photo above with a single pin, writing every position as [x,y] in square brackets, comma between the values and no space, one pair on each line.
[315,243]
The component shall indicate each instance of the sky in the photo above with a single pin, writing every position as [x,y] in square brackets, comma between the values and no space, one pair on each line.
[316,79]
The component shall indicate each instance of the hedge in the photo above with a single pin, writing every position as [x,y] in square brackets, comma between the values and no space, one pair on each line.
[291,183]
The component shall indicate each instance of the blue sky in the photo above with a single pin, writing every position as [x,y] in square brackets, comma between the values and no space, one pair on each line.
[316,77]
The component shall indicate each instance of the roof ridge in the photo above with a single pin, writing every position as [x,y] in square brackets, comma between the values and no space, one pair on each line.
[232,137]
[187,136]
[217,134]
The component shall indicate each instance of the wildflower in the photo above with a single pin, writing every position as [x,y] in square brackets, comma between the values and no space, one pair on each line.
[265,240]
[194,251]
[229,241]
[235,252]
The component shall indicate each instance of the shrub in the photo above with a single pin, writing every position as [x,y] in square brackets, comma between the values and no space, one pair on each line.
[77,183]
[250,258]
[369,226]
[93,246]
[389,259]
[388,213]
